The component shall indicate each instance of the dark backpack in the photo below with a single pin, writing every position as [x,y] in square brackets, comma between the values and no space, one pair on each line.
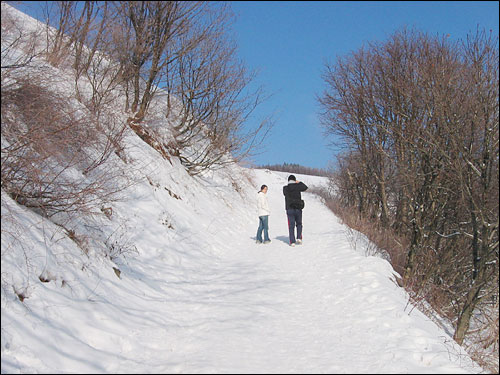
[299,205]
[293,198]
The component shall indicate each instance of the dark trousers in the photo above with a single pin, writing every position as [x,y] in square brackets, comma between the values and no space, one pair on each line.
[294,219]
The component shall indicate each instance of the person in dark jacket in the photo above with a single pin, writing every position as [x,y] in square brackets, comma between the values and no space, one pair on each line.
[294,205]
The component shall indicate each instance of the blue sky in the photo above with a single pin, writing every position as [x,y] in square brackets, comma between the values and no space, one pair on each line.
[289,42]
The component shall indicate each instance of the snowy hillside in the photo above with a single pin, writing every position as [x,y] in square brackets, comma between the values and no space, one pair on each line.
[184,288]
[199,296]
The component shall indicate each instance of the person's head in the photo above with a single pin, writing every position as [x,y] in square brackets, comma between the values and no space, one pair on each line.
[263,188]
[291,178]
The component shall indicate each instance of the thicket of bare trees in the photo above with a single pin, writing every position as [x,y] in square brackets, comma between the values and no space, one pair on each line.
[296,168]
[419,118]
[135,49]
[182,48]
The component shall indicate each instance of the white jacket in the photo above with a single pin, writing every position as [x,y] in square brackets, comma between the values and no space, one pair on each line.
[262,205]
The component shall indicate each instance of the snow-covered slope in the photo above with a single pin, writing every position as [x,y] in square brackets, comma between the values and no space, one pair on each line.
[199,296]
[185,289]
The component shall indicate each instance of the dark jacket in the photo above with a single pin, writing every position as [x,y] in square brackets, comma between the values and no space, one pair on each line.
[292,194]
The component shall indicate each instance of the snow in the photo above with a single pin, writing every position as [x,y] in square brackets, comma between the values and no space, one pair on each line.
[204,298]
[187,290]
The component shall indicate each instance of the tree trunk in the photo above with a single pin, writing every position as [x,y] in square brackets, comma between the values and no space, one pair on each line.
[465,316]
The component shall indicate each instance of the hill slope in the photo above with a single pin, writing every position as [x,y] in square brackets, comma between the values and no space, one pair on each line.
[200,296]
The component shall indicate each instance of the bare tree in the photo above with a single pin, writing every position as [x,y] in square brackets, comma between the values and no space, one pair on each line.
[149,42]
[213,106]
[477,169]
[420,114]
[91,43]
[59,26]
[183,49]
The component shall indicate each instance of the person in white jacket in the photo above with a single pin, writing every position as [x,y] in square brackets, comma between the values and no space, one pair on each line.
[264,211]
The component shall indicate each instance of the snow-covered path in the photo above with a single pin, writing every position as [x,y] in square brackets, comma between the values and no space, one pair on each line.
[204,298]
[320,307]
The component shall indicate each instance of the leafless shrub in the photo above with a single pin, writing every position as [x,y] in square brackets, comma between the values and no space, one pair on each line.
[119,245]
[483,337]
[54,157]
